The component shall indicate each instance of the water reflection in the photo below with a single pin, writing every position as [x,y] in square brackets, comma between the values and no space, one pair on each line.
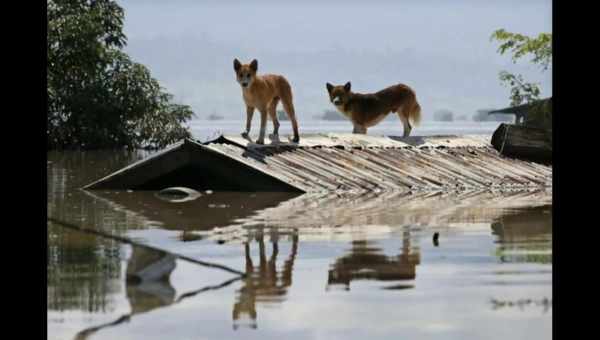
[523,236]
[148,286]
[263,282]
[83,271]
[334,210]
[208,211]
[367,261]
[380,240]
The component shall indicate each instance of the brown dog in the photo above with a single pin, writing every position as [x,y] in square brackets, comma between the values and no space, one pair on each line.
[366,110]
[264,93]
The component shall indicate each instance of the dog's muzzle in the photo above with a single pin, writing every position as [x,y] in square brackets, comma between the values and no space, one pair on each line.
[244,84]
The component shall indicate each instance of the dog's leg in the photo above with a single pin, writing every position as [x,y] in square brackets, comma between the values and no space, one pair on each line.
[249,264]
[273,114]
[263,126]
[406,124]
[359,129]
[249,114]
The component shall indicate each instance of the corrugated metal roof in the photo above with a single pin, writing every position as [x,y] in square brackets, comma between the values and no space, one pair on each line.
[334,162]
[352,162]
[132,167]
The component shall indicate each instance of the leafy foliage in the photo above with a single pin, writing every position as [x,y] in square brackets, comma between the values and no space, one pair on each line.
[520,46]
[520,91]
[97,96]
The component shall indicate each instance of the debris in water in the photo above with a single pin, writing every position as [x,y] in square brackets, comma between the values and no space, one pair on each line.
[545,303]
[178,194]
[436,236]
[217,205]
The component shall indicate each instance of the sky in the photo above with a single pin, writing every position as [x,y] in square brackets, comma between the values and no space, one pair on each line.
[442,49]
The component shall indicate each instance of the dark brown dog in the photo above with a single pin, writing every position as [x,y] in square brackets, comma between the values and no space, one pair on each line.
[366,110]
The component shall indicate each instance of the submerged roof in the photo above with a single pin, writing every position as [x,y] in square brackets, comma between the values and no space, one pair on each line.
[331,162]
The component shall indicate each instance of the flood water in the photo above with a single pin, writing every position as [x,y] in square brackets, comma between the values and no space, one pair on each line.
[319,266]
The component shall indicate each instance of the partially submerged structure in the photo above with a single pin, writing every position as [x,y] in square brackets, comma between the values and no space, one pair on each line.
[531,137]
[537,113]
[331,162]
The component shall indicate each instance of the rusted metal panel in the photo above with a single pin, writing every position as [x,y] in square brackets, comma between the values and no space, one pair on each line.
[172,157]
[194,165]
[362,163]
[352,162]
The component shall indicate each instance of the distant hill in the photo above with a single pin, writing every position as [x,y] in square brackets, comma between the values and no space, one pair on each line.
[214,116]
[483,115]
[331,115]
[281,115]
[443,116]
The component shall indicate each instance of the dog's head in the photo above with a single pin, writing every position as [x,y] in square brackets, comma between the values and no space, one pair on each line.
[338,94]
[245,73]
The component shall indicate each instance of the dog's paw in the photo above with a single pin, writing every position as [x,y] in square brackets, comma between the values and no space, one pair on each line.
[294,139]
[260,141]
[245,134]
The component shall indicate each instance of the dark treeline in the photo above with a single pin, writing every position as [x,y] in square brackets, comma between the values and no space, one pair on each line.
[97,96]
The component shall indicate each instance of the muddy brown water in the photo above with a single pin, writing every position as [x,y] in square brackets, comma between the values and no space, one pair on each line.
[319,266]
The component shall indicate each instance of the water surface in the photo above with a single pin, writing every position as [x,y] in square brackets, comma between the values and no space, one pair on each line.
[319,266]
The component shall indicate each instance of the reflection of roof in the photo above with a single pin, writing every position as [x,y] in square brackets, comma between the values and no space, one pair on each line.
[525,108]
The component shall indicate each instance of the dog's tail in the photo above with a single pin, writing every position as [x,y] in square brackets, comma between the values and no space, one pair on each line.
[412,109]
[415,113]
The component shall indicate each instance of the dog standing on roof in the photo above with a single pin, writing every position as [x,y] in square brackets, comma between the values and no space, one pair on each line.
[368,109]
[264,93]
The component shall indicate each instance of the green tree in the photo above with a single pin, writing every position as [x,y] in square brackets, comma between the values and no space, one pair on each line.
[540,50]
[97,96]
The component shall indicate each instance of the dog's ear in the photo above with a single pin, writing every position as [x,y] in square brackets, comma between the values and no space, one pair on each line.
[329,87]
[254,65]
[347,87]
[236,64]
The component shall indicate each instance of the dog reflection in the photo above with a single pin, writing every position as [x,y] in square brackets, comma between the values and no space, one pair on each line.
[263,283]
[367,262]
